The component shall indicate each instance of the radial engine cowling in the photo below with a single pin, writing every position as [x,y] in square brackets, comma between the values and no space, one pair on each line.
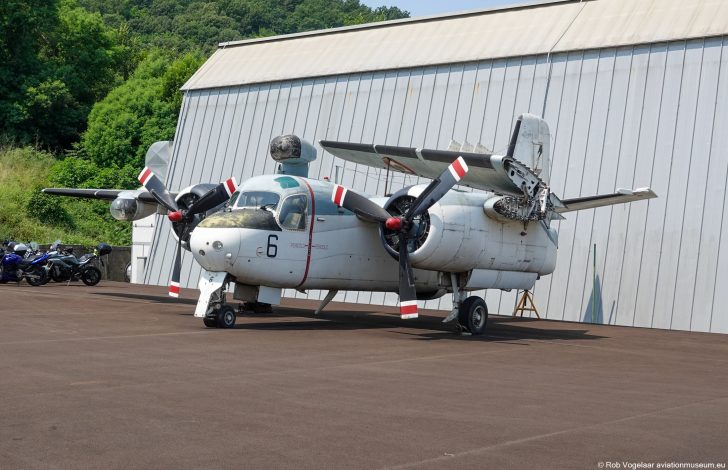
[438,243]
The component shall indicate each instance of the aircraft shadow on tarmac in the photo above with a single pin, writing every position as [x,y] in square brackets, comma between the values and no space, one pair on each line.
[428,328]
[152,298]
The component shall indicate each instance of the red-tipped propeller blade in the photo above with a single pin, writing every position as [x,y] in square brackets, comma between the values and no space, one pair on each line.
[156,188]
[214,197]
[358,204]
[438,187]
[176,271]
[407,292]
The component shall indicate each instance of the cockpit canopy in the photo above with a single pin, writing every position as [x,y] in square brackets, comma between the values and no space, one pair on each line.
[290,214]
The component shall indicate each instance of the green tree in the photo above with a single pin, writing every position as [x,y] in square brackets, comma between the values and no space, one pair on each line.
[56,60]
[141,111]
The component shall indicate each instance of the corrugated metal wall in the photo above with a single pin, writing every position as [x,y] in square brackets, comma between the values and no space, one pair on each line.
[650,115]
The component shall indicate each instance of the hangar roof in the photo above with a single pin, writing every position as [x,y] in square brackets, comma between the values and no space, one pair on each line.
[525,29]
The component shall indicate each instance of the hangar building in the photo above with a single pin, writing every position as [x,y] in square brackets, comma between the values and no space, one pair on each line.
[635,92]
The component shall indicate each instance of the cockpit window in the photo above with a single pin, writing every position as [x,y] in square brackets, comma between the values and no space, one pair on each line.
[258,199]
[293,213]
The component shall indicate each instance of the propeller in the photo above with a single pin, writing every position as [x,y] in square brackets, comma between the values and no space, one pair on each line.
[186,217]
[368,210]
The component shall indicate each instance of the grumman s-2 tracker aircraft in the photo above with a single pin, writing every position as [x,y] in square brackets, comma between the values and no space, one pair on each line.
[289,231]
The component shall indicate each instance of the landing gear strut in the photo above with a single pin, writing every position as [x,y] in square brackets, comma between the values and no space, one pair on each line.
[471,313]
[219,314]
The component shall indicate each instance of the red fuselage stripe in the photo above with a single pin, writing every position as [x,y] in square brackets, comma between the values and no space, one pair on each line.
[310,233]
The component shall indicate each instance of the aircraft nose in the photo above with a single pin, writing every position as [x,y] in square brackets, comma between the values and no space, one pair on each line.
[215,249]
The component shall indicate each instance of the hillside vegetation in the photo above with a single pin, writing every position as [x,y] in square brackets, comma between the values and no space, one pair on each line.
[87,85]
[28,215]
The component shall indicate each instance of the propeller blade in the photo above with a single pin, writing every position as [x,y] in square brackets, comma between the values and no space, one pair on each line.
[157,189]
[438,187]
[176,271]
[358,204]
[214,197]
[407,292]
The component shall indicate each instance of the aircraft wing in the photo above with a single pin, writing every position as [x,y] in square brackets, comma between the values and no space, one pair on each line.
[486,172]
[620,197]
[105,194]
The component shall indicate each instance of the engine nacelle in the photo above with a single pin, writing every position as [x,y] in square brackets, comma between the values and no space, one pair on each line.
[127,207]
[457,237]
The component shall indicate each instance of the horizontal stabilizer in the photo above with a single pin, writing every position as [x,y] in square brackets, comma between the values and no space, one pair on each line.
[620,197]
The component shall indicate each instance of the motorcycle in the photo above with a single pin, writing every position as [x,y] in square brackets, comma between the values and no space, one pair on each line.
[14,266]
[64,266]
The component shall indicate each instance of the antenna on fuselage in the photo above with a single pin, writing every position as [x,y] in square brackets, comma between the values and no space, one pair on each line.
[293,155]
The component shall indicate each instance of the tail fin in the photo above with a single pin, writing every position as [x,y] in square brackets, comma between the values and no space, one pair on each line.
[531,144]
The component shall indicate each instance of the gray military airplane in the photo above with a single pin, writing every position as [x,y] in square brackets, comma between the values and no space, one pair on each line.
[289,231]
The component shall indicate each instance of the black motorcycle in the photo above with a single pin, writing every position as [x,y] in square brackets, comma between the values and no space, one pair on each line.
[65,267]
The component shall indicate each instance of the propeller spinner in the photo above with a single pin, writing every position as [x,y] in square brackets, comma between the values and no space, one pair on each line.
[404,225]
[185,217]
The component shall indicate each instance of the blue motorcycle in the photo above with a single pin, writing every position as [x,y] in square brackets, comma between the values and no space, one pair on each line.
[14,266]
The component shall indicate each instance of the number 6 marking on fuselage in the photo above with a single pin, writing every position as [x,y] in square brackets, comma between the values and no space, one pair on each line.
[271,247]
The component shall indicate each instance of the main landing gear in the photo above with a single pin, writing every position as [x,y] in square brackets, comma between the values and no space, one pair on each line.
[471,312]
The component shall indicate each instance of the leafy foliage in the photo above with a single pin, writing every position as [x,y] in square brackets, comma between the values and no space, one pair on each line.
[56,60]
[143,110]
[27,214]
[184,25]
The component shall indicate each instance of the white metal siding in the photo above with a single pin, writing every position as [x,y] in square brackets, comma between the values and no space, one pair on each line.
[649,115]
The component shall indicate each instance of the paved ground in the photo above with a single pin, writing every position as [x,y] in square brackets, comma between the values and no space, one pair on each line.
[118,376]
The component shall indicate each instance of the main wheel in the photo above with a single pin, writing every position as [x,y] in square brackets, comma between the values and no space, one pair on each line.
[36,275]
[91,276]
[473,314]
[225,317]
[210,322]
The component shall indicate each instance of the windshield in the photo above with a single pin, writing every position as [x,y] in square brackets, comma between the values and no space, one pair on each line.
[255,199]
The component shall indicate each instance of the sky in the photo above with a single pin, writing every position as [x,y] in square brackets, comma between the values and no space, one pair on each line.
[434,7]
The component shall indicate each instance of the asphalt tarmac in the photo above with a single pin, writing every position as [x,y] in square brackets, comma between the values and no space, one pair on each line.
[121,376]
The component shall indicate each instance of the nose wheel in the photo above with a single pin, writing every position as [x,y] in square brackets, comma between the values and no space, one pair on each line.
[223,317]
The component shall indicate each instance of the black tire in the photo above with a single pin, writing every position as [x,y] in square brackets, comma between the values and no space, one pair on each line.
[225,317]
[473,315]
[36,276]
[210,322]
[91,276]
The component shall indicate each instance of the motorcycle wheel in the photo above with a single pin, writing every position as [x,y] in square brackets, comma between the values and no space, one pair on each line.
[36,276]
[91,276]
